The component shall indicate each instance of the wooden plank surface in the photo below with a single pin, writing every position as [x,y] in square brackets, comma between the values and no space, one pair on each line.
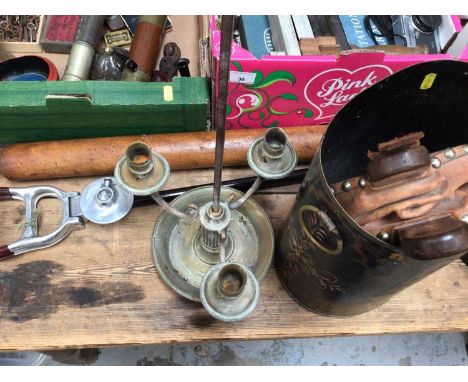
[100,288]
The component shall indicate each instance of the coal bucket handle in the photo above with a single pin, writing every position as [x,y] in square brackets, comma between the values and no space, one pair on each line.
[436,238]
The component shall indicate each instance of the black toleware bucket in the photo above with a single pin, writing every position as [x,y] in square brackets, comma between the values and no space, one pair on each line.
[325,260]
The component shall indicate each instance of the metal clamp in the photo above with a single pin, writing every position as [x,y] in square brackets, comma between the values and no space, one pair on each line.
[30,241]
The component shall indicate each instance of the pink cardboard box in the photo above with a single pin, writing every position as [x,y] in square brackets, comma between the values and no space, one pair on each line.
[302,90]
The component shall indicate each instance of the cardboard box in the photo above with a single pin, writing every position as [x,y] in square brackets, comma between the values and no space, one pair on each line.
[302,90]
[36,111]
[459,46]
[49,110]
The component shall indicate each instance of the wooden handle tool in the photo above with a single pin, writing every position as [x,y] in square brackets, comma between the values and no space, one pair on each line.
[98,156]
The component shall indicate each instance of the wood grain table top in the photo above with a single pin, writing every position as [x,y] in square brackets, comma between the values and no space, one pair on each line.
[99,287]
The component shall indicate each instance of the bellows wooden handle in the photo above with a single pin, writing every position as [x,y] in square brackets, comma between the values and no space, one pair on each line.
[98,156]
[5,252]
[5,193]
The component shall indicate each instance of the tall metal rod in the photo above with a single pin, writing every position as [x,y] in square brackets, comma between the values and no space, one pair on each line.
[227,28]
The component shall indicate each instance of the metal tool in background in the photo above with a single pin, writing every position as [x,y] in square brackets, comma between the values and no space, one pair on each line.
[426,31]
[19,28]
[171,63]
[411,31]
[84,48]
[168,64]
[144,49]
[212,244]
[102,202]
[326,260]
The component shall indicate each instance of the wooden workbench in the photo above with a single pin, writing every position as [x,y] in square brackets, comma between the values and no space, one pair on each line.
[100,288]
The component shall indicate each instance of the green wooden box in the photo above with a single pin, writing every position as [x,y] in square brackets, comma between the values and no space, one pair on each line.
[50,110]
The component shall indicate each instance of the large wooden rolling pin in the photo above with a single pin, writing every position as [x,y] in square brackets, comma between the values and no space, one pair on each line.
[98,156]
